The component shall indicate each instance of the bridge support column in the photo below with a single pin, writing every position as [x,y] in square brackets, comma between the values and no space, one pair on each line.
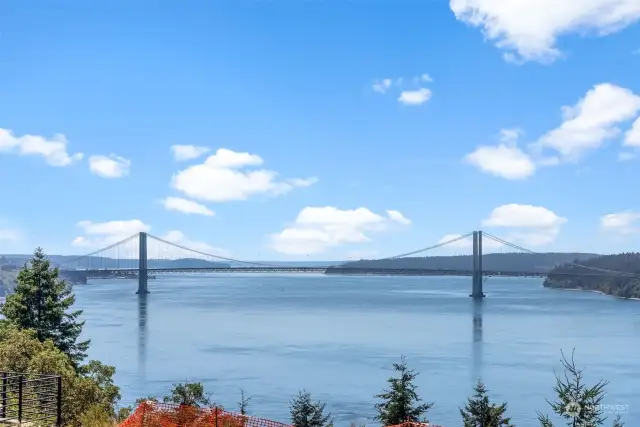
[476,281]
[142,264]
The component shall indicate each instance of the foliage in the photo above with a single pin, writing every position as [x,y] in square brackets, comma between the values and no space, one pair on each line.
[190,394]
[480,412]
[244,402]
[401,402]
[518,261]
[306,413]
[21,351]
[576,403]
[41,302]
[570,276]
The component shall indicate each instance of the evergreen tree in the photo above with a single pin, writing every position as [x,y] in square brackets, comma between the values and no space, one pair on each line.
[480,412]
[401,402]
[577,403]
[306,413]
[244,402]
[41,302]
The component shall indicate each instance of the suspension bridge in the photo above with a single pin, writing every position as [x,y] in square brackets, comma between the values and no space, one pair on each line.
[143,255]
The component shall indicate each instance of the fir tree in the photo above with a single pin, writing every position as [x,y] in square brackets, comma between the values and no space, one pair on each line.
[480,412]
[401,402]
[577,403]
[41,302]
[306,413]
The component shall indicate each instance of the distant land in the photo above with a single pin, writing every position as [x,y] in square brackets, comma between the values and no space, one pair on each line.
[505,262]
[579,278]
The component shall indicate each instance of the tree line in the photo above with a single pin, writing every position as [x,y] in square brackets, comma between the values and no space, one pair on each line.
[617,275]
[40,334]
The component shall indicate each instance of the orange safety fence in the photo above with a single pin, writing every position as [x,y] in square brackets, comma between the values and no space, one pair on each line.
[154,414]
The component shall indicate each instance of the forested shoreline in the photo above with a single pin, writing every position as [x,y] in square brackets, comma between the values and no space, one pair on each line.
[617,275]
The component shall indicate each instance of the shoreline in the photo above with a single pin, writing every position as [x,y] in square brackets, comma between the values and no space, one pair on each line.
[594,291]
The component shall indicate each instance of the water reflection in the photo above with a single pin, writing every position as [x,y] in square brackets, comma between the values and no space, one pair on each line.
[142,333]
[477,344]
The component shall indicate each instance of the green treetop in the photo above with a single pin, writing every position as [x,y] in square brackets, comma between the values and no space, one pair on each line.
[41,302]
[480,412]
[401,403]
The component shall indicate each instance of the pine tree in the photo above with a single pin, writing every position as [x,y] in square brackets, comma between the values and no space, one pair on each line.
[401,402]
[480,412]
[578,404]
[41,302]
[306,413]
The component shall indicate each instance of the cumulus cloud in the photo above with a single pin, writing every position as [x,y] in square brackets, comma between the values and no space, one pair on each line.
[414,97]
[525,224]
[621,223]
[186,206]
[97,235]
[53,150]
[587,125]
[317,229]
[632,137]
[183,153]
[111,166]
[528,30]
[101,234]
[224,176]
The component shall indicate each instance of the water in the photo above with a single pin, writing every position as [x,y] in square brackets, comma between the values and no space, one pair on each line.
[336,336]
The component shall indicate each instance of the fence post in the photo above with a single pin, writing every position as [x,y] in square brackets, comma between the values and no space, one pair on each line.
[3,409]
[216,415]
[20,399]
[59,402]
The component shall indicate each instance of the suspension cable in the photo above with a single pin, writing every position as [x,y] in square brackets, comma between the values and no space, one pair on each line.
[427,249]
[121,242]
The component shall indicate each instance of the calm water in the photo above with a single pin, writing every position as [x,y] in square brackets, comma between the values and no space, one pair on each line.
[337,337]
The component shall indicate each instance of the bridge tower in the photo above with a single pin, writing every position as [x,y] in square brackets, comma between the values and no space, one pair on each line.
[142,264]
[476,281]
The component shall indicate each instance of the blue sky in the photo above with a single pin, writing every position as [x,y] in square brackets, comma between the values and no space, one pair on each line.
[503,115]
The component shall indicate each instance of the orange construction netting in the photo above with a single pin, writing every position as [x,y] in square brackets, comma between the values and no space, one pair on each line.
[154,414]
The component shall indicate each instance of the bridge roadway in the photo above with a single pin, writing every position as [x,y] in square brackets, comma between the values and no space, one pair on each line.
[95,273]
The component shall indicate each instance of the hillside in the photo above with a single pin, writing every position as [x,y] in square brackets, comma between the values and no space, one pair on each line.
[533,263]
[575,277]
[72,262]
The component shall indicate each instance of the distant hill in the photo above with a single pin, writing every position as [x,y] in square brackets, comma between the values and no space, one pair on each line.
[574,277]
[72,262]
[506,262]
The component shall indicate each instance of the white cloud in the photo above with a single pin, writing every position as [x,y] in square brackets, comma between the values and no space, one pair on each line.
[526,224]
[177,237]
[592,121]
[586,126]
[414,97]
[111,166]
[528,29]
[54,150]
[101,234]
[382,86]
[9,234]
[317,229]
[398,217]
[221,178]
[632,137]
[183,153]
[186,206]
[621,223]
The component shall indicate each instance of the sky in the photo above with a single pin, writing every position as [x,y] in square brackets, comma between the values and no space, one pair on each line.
[319,130]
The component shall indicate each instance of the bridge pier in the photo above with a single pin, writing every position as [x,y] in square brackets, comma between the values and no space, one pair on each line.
[476,280]
[142,264]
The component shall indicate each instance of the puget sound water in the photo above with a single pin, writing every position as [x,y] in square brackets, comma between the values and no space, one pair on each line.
[337,336]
